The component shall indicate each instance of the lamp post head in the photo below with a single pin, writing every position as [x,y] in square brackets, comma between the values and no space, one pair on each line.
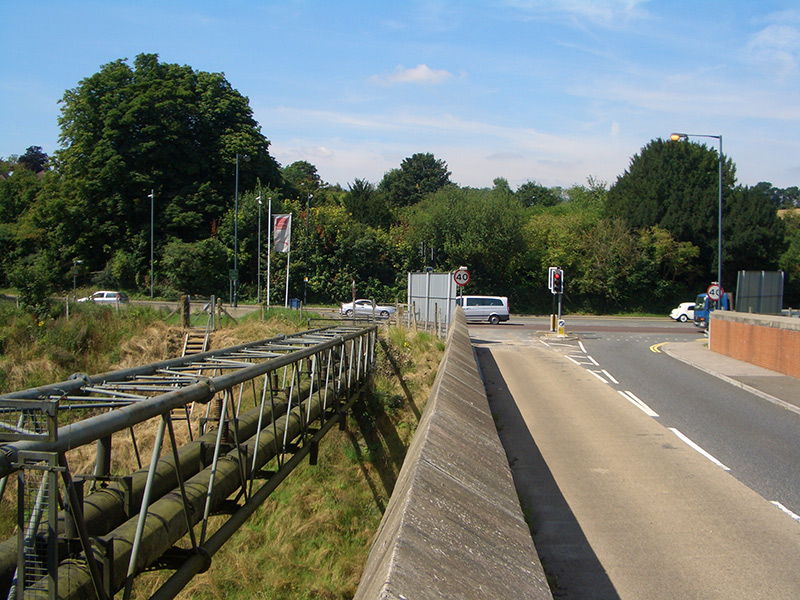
[676,137]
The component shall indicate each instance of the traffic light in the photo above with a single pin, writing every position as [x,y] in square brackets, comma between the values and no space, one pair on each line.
[558,281]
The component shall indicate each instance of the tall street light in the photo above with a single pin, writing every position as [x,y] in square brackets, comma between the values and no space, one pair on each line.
[258,293]
[685,136]
[305,279]
[152,196]
[235,301]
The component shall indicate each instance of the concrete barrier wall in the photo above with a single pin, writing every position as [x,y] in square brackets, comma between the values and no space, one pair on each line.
[454,527]
[772,342]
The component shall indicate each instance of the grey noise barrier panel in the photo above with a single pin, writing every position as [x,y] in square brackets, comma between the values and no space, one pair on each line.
[454,527]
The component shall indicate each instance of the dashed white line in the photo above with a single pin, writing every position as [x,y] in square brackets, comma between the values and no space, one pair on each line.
[631,397]
[698,448]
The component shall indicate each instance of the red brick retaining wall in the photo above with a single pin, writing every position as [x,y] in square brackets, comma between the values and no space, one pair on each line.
[768,341]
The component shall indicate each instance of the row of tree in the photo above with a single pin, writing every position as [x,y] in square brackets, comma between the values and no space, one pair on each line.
[189,139]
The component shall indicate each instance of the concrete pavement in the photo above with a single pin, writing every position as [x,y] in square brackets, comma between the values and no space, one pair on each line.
[775,387]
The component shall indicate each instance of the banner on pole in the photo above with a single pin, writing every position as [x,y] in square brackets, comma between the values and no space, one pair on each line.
[283,232]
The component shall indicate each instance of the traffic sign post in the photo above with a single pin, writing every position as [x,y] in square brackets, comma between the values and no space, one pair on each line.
[461,277]
[714,293]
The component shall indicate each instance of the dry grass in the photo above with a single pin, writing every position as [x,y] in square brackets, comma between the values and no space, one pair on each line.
[312,536]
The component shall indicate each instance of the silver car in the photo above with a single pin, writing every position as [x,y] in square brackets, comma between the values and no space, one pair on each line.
[366,308]
[105,297]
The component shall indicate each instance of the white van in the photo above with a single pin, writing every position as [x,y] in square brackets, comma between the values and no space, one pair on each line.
[492,309]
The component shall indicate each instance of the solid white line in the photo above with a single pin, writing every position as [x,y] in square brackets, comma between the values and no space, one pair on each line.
[545,343]
[786,510]
[596,374]
[630,397]
[583,348]
[573,360]
[698,448]
[607,374]
[594,362]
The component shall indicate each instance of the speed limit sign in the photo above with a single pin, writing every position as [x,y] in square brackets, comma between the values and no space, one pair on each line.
[461,276]
[714,292]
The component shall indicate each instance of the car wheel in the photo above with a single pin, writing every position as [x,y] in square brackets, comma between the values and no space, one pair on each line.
[349,312]
[683,318]
[494,319]
[384,313]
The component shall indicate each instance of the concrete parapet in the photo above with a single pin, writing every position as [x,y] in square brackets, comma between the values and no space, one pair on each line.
[454,527]
[769,341]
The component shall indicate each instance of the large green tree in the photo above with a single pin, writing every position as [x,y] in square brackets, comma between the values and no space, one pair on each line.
[418,176]
[675,186]
[127,130]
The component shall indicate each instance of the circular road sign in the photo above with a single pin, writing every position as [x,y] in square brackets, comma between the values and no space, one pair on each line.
[714,292]
[461,277]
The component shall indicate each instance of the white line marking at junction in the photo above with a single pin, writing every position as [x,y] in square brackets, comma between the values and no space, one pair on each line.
[594,362]
[545,343]
[596,374]
[583,348]
[698,448]
[607,374]
[630,397]
[786,510]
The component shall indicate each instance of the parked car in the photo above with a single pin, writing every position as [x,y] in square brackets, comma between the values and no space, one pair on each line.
[106,297]
[366,308]
[484,308]
[684,312]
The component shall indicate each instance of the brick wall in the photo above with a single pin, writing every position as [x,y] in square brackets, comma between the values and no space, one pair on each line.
[768,341]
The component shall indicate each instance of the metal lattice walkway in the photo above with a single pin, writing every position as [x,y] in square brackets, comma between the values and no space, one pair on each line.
[298,387]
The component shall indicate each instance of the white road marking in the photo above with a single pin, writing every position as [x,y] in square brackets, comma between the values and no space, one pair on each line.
[698,448]
[594,362]
[583,349]
[607,374]
[597,374]
[786,510]
[631,397]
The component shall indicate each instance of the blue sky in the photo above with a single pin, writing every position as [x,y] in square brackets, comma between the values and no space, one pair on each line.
[553,91]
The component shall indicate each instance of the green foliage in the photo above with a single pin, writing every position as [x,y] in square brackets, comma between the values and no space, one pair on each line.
[674,185]
[417,176]
[790,259]
[32,277]
[198,268]
[162,127]
[533,194]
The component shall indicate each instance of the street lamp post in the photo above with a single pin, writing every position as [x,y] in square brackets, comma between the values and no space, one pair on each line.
[305,279]
[235,300]
[75,263]
[258,292]
[685,136]
[152,196]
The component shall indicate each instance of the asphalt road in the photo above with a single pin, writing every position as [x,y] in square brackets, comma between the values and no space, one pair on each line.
[604,438]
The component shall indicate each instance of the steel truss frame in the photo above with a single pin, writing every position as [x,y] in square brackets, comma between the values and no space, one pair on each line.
[300,385]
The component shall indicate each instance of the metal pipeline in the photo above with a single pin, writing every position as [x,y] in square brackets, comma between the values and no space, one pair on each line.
[166,520]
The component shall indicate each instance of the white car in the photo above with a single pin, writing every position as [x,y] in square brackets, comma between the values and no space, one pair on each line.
[684,312]
[366,308]
[105,297]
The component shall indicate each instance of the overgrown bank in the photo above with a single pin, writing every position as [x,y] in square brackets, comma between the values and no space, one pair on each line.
[311,538]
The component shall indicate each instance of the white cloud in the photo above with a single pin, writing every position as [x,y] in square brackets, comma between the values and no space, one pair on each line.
[421,74]
[775,46]
[609,13]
